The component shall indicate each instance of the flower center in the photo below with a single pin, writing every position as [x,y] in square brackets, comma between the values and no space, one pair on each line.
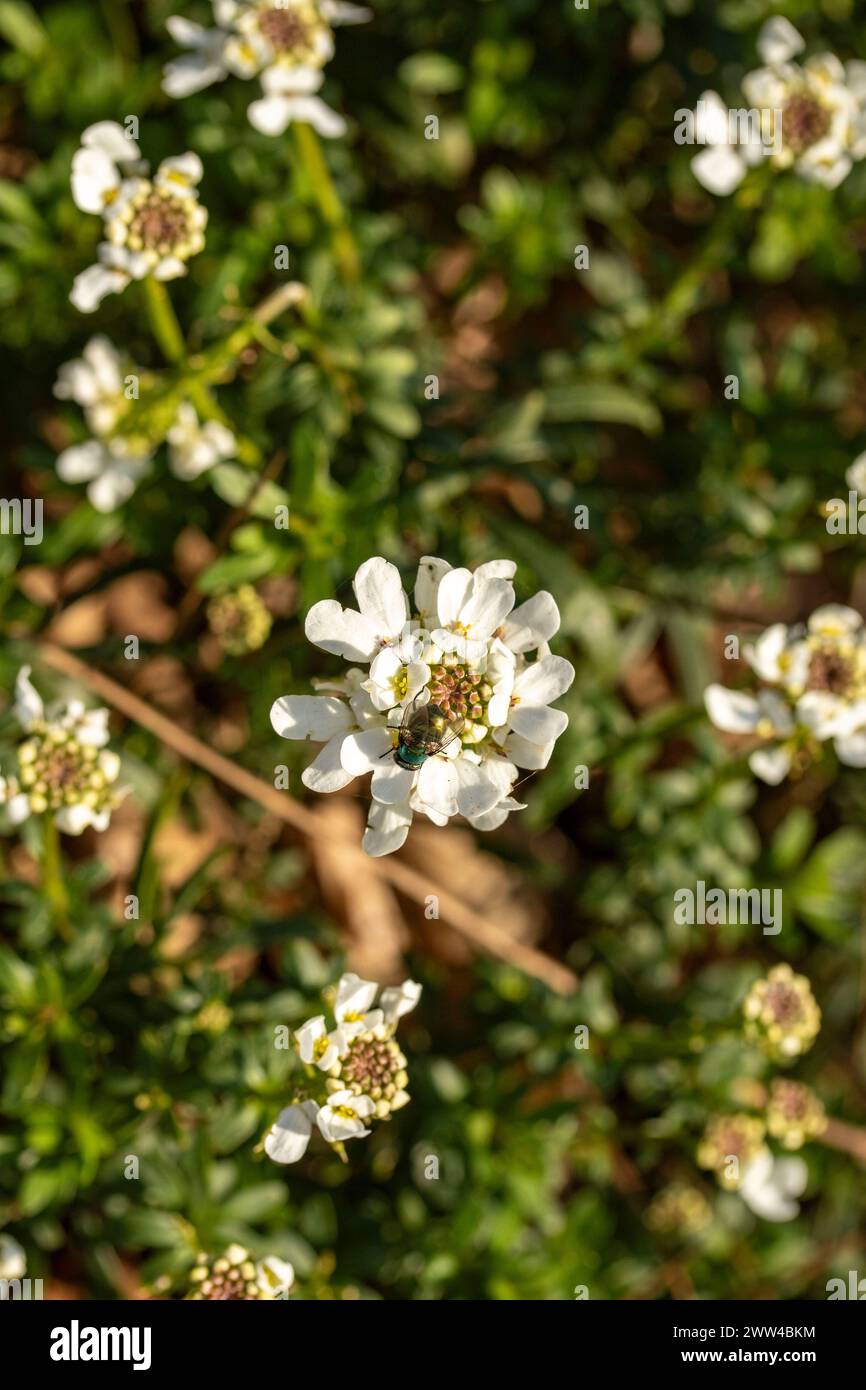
[804,122]
[459,692]
[790,1099]
[57,770]
[830,671]
[284,29]
[372,1067]
[225,1280]
[159,223]
[783,1003]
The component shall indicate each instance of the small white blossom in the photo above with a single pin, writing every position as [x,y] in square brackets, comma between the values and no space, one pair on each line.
[286,45]
[13,1261]
[343,1117]
[855,475]
[770,1186]
[274,1276]
[193,448]
[111,470]
[817,678]
[152,226]
[817,111]
[464,652]
[363,1071]
[63,768]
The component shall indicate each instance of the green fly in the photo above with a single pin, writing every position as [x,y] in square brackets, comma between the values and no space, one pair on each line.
[425,729]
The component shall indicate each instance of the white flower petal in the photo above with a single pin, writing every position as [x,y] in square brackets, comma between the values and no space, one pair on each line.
[313,111]
[397,1000]
[270,115]
[93,284]
[326,772]
[341,631]
[772,765]
[288,1137]
[719,169]
[544,681]
[340,12]
[763,655]
[387,828]
[532,623]
[73,820]
[851,750]
[532,756]
[431,571]
[317,717]
[112,139]
[80,462]
[354,996]
[735,711]
[538,724]
[28,707]
[437,786]
[274,1276]
[391,784]
[94,179]
[364,752]
[779,41]
[481,787]
[379,591]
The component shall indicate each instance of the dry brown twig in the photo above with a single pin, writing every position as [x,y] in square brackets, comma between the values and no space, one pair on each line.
[484,934]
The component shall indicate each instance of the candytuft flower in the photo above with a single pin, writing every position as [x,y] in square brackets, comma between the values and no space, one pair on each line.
[734,1148]
[152,226]
[356,1071]
[461,651]
[63,768]
[794,1113]
[239,620]
[112,463]
[818,111]
[816,674]
[117,458]
[285,43]
[235,1276]
[781,1013]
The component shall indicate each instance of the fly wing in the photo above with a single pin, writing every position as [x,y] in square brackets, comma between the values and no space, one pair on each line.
[416,718]
[442,739]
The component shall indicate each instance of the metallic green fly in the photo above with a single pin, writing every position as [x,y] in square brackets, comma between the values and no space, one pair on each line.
[425,729]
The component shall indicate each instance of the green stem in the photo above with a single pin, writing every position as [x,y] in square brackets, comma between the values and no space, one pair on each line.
[163,320]
[169,335]
[52,875]
[321,185]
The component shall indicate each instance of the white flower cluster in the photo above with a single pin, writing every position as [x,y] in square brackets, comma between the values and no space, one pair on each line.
[821,106]
[285,43]
[152,226]
[64,769]
[357,1068]
[113,462]
[816,679]
[465,652]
